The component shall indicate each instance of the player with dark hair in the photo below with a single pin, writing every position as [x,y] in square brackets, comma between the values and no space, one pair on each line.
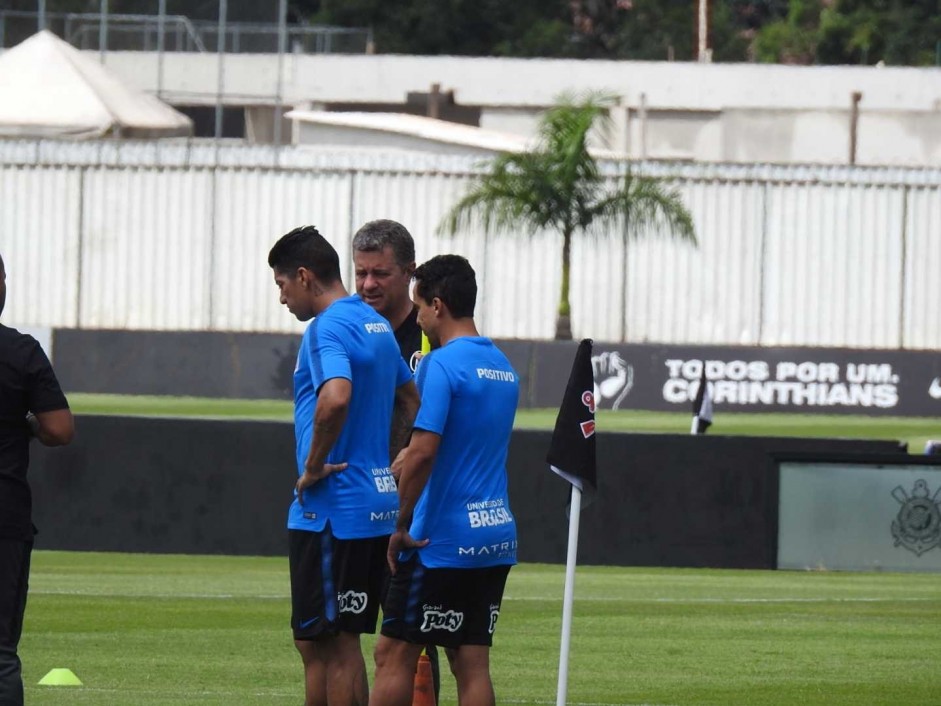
[455,537]
[349,374]
[31,406]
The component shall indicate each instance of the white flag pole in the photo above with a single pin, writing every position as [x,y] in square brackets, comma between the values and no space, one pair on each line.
[694,429]
[569,595]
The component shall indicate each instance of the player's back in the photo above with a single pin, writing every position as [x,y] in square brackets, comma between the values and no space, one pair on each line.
[465,504]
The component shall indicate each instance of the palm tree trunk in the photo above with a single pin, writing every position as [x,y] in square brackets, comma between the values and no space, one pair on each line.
[563,322]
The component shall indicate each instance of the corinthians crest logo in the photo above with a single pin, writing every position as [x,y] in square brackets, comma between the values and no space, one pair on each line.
[918,525]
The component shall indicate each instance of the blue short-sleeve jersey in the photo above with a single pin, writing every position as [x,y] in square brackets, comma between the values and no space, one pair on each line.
[469,393]
[349,340]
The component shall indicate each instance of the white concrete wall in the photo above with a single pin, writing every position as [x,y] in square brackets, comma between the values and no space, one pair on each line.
[175,236]
[703,112]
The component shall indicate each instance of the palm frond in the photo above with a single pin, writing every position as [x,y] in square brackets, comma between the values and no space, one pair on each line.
[516,192]
[647,204]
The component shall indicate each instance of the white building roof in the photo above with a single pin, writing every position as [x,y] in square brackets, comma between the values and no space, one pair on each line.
[414,126]
[413,132]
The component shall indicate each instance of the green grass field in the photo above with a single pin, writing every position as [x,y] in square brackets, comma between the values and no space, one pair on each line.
[914,431]
[149,630]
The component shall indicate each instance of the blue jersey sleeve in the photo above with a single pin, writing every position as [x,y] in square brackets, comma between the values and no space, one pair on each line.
[329,357]
[435,388]
[403,374]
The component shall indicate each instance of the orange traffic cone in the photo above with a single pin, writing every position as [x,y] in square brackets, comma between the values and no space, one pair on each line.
[424,691]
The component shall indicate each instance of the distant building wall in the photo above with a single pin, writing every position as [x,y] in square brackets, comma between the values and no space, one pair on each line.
[705,112]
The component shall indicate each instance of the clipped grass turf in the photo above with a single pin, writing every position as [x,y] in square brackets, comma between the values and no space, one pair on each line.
[914,431]
[149,630]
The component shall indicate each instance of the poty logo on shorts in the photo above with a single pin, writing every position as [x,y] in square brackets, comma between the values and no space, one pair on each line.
[352,602]
[436,620]
[494,614]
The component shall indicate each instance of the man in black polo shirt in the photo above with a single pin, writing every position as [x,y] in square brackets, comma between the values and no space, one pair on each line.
[31,406]
[384,262]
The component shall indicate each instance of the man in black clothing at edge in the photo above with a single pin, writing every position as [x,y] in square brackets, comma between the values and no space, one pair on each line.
[384,262]
[31,405]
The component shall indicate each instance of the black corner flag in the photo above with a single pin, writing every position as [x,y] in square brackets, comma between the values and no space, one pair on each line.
[702,406]
[572,451]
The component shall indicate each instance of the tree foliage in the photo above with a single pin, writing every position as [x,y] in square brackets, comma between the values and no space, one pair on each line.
[897,32]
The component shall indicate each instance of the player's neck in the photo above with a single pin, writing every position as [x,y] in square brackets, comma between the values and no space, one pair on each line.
[457,328]
[326,295]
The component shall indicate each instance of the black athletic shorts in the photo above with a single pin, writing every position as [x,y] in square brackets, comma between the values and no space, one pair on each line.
[336,584]
[446,607]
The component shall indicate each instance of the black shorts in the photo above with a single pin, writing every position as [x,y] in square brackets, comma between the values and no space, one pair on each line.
[446,607]
[336,584]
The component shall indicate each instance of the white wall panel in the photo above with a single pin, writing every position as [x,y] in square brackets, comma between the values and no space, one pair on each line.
[114,235]
[833,266]
[254,208]
[596,273]
[703,293]
[922,287]
[521,280]
[39,226]
[145,249]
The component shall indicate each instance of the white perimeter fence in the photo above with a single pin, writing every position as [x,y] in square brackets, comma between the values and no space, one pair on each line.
[175,236]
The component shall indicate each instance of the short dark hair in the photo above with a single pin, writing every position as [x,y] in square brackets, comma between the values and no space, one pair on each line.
[450,278]
[305,247]
[376,235]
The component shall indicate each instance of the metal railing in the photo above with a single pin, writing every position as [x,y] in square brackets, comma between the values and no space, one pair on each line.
[180,34]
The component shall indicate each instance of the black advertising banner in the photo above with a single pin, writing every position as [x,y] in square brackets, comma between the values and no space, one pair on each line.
[745,379]
[651,377]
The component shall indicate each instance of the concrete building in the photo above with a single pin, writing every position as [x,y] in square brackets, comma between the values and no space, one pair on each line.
[664,110]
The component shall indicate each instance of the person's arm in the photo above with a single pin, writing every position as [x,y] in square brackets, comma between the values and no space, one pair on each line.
[333,403]
[418,463]
[53,428]
[404,410]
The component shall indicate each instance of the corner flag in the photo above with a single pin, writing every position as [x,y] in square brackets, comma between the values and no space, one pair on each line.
[702,406]
[572,456]
[572,450]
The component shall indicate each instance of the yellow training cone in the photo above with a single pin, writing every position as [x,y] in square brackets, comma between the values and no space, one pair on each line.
[60,677]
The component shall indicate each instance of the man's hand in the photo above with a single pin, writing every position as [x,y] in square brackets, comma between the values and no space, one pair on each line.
[398,464]
[400,541]
[311,476]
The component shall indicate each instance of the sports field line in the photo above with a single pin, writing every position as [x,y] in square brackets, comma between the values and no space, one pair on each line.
[586,599]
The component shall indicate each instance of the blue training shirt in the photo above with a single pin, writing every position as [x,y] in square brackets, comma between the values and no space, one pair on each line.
[469,392]
[349,340]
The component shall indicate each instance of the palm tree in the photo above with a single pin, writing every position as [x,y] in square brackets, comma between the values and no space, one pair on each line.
[559,186]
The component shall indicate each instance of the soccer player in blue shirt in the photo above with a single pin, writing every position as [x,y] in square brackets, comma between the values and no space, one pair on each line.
[349,375]
[455,537]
